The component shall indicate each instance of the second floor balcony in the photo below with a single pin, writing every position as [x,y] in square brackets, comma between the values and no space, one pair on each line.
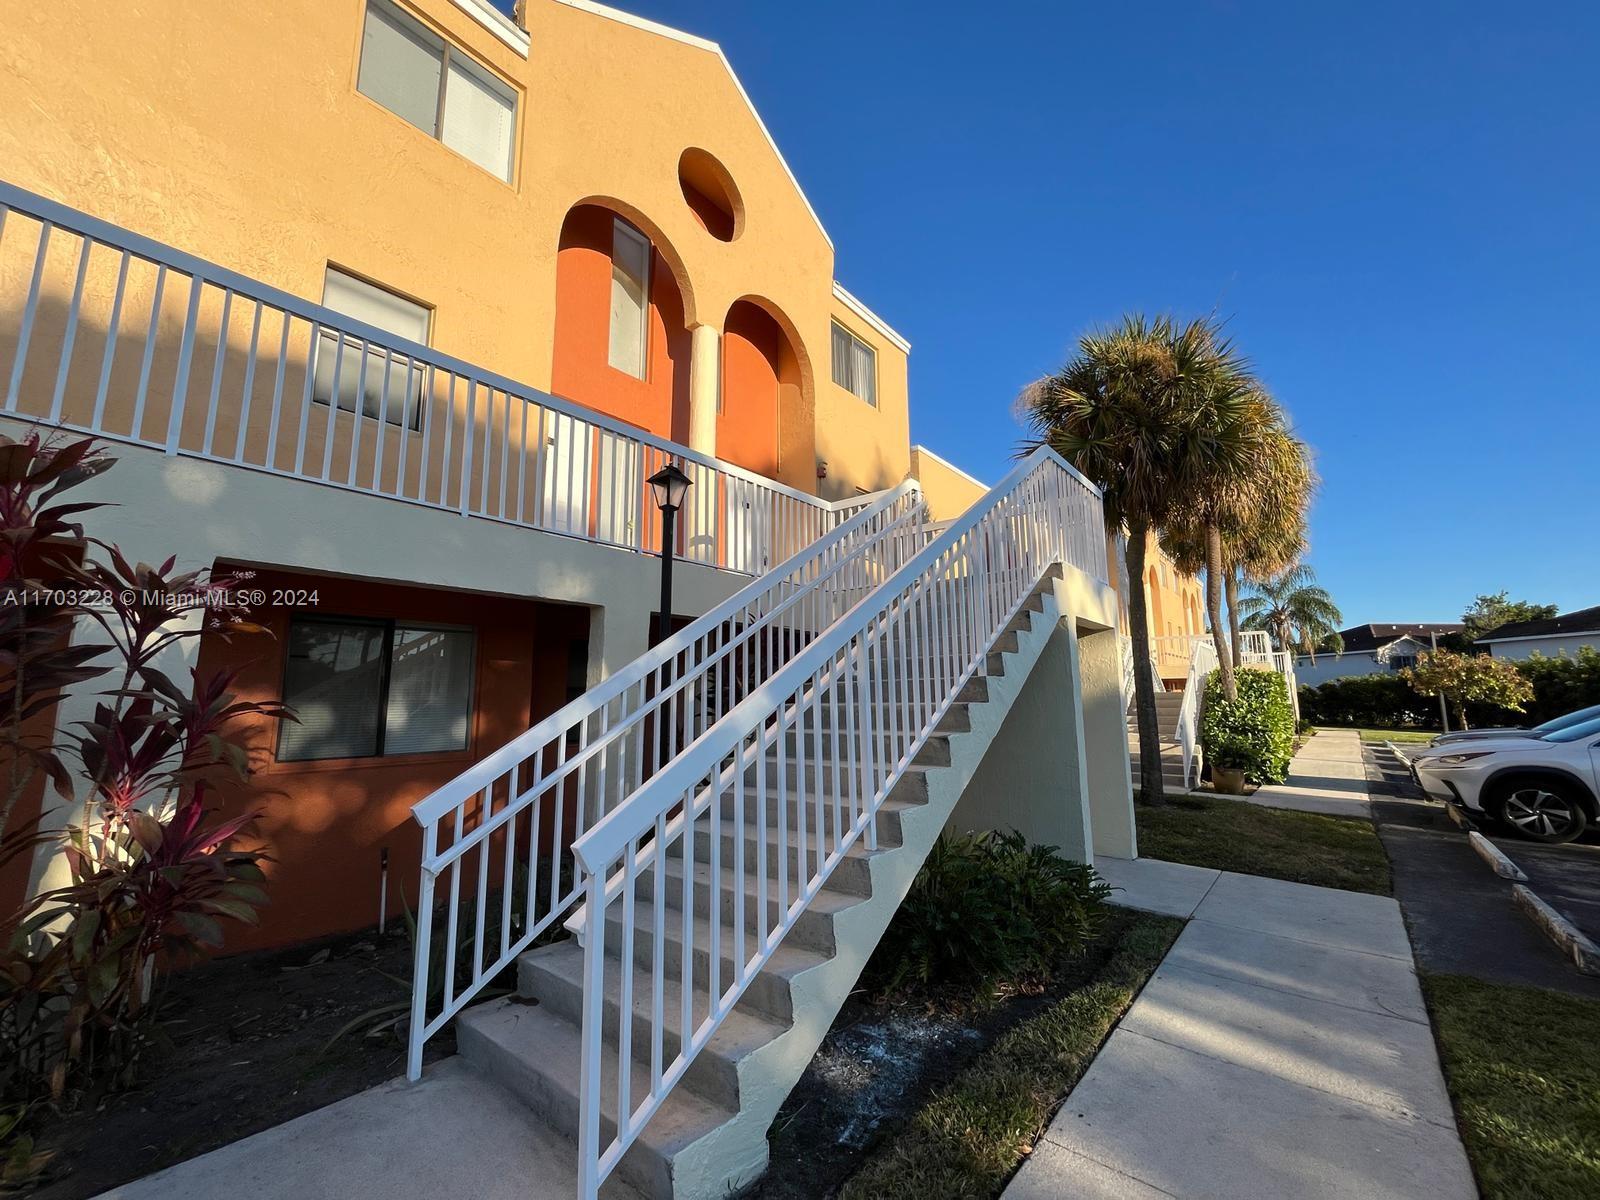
[111,333]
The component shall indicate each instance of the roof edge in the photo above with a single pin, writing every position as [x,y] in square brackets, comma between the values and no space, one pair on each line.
[870,317]
[497,23]
[919,448]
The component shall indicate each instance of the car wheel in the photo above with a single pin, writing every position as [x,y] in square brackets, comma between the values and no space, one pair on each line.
[1542,810]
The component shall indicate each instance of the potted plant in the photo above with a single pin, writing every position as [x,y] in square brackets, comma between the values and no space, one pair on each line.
[1227,771]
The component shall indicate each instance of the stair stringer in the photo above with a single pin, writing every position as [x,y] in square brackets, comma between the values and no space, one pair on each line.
[735,1154]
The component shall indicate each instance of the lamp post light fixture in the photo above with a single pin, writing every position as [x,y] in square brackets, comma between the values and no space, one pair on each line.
[669,485]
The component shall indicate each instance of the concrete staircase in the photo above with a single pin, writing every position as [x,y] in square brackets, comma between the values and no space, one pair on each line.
[1167,706]
[710,1136]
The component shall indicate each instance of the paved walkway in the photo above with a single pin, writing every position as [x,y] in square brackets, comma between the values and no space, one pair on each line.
[1327,776]
[453,1134]
[1282,1049]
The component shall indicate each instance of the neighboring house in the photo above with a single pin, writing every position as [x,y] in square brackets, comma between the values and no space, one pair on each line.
[1549,636]
[1371,650]
[580,201]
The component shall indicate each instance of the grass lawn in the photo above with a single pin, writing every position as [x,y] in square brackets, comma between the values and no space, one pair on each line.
[1231,835]
[968,1139]
[1525,1078]
[1398,735]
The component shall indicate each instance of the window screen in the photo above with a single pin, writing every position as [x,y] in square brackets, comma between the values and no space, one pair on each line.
[630,292]
[363,370]
[480,115]
[334,680]
[401,66]
[430,690]
[855,365]
[368,688]
[417,75]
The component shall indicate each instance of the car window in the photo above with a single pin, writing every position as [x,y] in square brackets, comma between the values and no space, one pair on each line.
[1574,733]
[1569,719]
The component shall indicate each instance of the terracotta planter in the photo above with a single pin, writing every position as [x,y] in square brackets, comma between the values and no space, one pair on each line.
[1228,780]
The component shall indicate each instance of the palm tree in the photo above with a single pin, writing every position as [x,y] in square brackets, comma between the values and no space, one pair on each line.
[1235,434]
[1274,539]
[1123,412]
[1295,611]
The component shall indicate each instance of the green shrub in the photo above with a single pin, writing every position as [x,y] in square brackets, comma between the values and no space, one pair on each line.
[1386,701]
[1255,732]
[1380,701]
[987,908]
[1560,685]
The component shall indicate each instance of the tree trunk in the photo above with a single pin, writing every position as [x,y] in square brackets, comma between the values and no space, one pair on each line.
[1144,691]
[1219,633]
[1230,583]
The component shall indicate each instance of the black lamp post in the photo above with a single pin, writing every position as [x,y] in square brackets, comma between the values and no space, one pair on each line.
[669,485]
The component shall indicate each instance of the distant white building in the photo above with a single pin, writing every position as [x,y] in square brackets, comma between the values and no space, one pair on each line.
[1371,650]
[1549,636]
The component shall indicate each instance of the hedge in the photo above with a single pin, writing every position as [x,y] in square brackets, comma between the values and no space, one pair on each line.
[1560,685]
[1255,732]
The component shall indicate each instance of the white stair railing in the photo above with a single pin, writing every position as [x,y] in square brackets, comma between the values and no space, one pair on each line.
[1202,661]
[507,823]
[811,754]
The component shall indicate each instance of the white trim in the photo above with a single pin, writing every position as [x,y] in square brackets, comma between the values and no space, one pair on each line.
[497,23]
[689,39]
[1539,637]
[946,463]
[862,311]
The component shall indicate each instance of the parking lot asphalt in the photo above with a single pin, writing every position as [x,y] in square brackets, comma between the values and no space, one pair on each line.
[1460,914]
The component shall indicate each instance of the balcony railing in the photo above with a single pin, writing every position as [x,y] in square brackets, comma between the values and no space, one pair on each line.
[111,333]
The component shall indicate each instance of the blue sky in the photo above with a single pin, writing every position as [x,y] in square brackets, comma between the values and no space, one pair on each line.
[1396,205]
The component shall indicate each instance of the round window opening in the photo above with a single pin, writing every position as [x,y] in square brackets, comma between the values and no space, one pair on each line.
[708,190]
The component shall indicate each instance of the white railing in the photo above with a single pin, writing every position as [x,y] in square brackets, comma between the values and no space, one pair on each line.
[114,334]
[506,824]
[1202,661]
[811,754]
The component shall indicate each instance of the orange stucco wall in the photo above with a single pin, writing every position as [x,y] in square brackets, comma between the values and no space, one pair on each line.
[581,369]
[754,354]
[325,823]
[236,132]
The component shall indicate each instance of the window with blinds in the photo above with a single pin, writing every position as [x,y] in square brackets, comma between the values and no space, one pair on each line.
[855,365]
[367,689]
[419,76]
[630,299]
[376,381]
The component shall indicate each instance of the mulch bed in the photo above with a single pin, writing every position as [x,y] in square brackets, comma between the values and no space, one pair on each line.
[247,1037]
[883,1059]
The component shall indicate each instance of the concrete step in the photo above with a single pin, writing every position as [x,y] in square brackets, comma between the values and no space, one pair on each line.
[554,974]
[850,874]
[813,928]
[535,1053]
[768,991]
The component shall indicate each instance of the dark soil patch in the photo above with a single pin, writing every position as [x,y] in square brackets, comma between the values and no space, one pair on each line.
[880,1063]
[246,1039]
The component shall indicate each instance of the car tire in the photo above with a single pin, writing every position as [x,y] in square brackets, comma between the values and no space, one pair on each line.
[1540,809]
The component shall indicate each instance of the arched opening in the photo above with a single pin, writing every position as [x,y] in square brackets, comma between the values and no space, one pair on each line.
[709,191]
[621,342]
[760,380]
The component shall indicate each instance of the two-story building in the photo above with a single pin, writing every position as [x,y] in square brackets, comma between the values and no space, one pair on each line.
[396,304]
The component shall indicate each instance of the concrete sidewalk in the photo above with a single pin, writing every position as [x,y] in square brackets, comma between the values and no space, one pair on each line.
[455,1133]
[1282,1049]
[1328,775]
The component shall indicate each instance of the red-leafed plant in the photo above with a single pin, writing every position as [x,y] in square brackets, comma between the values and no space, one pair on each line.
[153,874]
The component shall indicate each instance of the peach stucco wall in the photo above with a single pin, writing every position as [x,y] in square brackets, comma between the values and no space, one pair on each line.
[235,132]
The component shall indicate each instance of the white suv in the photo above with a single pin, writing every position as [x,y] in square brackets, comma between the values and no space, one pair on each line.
[1546,788]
